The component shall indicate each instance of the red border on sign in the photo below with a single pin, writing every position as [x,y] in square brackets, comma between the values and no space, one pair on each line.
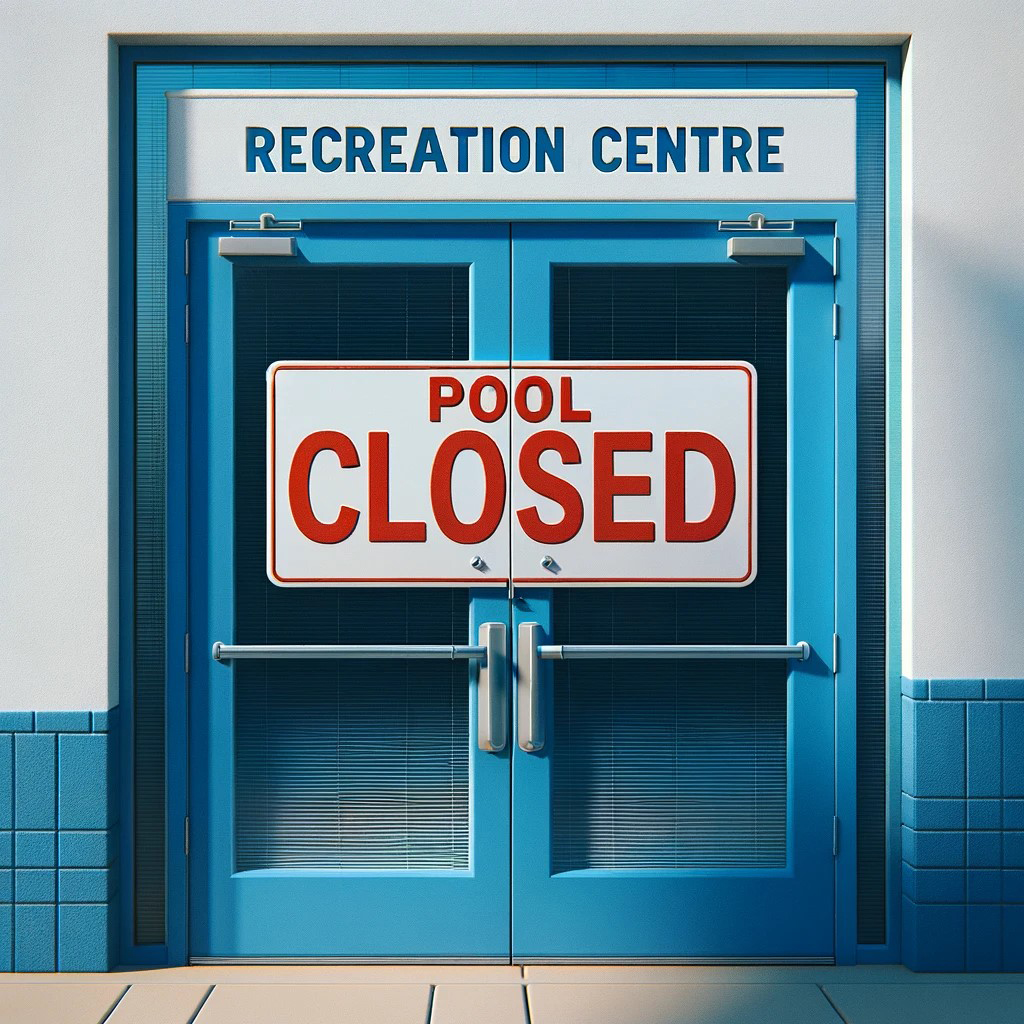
[565,580]
[504,580]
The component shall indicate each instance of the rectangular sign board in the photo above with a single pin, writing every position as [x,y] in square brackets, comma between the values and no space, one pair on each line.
[598,145]
[546,474]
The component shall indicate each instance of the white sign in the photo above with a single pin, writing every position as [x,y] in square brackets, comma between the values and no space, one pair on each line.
[551,474]
[512,145]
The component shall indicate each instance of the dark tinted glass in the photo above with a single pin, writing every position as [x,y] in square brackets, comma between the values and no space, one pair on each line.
[677,764]
[343,764]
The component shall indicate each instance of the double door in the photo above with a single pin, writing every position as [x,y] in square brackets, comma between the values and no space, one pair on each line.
[551,761]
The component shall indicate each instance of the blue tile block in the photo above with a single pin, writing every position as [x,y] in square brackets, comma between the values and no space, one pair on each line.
[83,781]
[1013,849]
[6,885]
[6,937]
[83,943]
[84,885]
[6,781]
[933,752]
[984,813]
[84,849]
[15,721]
[1004,689]
[101,721]
[933,849]
[908,777]
[917,688]
[1013,750]
[35,849]
[1013,885]
[984,749]
[984,886]
[984,849]
[6,849]
[933,937]
[933,885]
[63,721]
[1013,938]
[1013,814]
[35,779]
[956,689]
[35,885]
[984,939]
[920,813]
[35,938]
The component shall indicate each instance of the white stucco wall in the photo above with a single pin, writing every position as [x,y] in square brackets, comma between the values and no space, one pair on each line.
[963,525]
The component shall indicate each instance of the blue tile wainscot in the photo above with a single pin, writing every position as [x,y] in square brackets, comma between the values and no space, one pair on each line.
[963,824]
[57,840]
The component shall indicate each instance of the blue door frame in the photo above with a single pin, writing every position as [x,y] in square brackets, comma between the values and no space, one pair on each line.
[202,222]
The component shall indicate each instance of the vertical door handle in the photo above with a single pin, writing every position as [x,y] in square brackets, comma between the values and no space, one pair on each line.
[531,708]
[492,729]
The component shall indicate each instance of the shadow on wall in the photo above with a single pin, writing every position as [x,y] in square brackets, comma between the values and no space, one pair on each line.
[968,455]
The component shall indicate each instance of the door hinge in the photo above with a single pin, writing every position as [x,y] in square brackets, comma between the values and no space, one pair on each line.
[835,837]
[186,836]
[835,321]
[835,654]
[186,257]
[835,256]
[186,323]
[188,654]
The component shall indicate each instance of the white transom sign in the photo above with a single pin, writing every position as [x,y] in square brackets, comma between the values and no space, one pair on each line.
[731,145]
[556,473]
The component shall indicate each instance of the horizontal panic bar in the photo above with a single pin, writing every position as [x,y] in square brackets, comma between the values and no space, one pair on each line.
[670,652]
[375,652]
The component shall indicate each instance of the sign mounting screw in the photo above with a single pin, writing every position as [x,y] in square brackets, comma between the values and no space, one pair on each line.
[478,563]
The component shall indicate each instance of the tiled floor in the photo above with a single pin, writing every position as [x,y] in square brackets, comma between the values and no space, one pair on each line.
[513,995]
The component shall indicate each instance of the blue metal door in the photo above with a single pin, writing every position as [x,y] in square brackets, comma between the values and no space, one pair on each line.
[338,809]
[676,809]
[683,809]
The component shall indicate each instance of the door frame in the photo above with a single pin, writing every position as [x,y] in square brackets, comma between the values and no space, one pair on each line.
[843,215]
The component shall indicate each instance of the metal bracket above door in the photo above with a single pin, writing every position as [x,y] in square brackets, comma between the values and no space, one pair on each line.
[259,244]
[265,222]
[256,246]
[753,245]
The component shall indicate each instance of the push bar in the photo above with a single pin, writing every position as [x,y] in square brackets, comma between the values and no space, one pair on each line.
[488,663]
[643,652]
[531,653]
[392,652]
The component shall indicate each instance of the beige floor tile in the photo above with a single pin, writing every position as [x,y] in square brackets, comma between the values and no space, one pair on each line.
[861,974]
[69,1003]
[381,974]
[679,1004]
[740,974]
[316,1004]
[166,1003]
[478,1004]
[938,1001]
